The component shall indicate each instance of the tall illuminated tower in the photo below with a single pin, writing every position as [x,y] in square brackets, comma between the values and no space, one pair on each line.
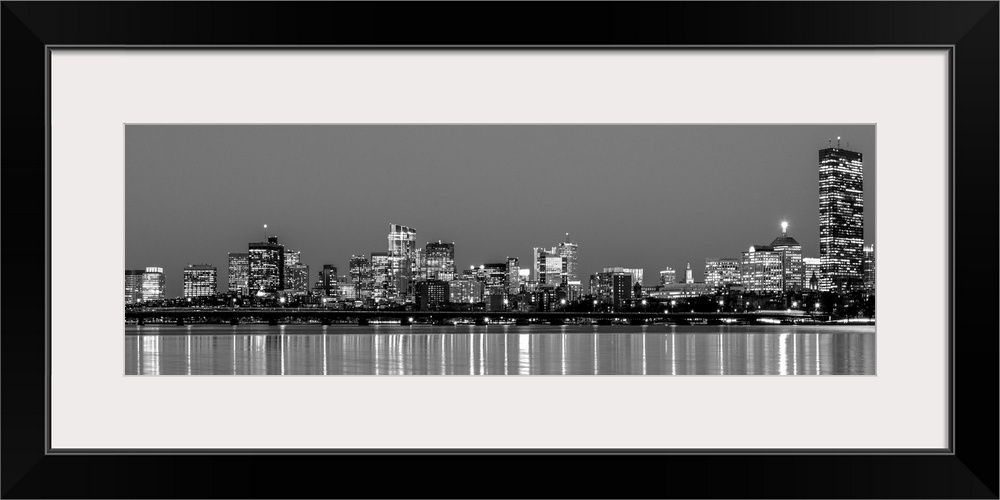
[841,219]
[402,250]
[567,250]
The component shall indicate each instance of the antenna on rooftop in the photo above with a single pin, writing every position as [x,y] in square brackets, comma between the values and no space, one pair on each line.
[838,142]
[265,232]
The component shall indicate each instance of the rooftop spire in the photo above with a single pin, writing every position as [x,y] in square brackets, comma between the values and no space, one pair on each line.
[784,228]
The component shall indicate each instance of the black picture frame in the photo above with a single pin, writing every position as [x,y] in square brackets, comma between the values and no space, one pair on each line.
[968,470]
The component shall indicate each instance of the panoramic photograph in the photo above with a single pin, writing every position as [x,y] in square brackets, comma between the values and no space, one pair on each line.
[506,249]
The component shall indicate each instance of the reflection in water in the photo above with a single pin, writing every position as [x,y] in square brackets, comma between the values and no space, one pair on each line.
[499,350]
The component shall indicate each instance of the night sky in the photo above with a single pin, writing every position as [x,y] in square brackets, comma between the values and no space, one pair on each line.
[646,196]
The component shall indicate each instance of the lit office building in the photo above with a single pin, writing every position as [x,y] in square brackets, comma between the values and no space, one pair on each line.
[791,250]
[568,250]
[465,291]
[549,266]
[383,287]
[513,276]
[688,275]
[292,257]
[297,279]
[439,259]
[869,267]
[133,286]
[841,219]
[720,273]
[668,276]
[153,284]
[812,272]
[402,255]
[614,284]
[636,274]
[762,269]
[239,273]
[360,271]
[266,261]
[418,266]
[326,280]
[431,294]
[200,280]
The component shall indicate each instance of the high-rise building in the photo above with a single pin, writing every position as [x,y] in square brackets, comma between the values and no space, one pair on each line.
[153,284]
[465,291]
[668,276]
[791,250]
[869,268]
[494,277]
[513,276]
[266,261]
[383,286]
[614,284]
[621,287]
[200,280]
[297,278]
[133,286]
[567,250]
[841,219]
[549,266]
[762,269]
[292,257]
[688,274]
[720,273]
[636,274]
[360,270]
[812,271]
[431,294]
[239,273]
[402,254]
[439,259]
[327,280]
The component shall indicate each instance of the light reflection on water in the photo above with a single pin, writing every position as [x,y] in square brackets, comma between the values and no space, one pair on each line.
[499,350]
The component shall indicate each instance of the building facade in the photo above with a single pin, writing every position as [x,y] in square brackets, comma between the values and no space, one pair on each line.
[812,270]
[439,259]
[200,280]
[402,256]
[668,276]
[133,286]
[266,262]
[720,273]
[465,291]
[869,267]
[326,280]
[431,294]
[297,279]
[239,273]
[383,286]
[791,254]
[153,284]
[762,270]
[360,271]
[841,219]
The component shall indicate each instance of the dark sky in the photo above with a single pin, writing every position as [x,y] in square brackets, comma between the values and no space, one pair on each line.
[644,196]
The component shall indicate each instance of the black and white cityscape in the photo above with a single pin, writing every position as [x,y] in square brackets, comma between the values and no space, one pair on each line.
[500,249]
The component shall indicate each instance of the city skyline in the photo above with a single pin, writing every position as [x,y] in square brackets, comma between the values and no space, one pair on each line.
[683,230]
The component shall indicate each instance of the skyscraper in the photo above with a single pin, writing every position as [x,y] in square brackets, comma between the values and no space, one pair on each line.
[360,270]
[688,274]
[513,276]
[869,267]
[327,280]
[133,286]
[297,278]
[841,219]
[200,280]
[439,259]
[793,268]
[567,249]
[402,246]
[239,273]
[266,262]
[153,283]
[383,287]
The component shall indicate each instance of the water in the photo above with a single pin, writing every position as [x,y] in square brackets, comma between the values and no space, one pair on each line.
[499,350]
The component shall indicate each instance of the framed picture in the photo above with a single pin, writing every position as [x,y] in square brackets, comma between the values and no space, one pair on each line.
[653,248]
